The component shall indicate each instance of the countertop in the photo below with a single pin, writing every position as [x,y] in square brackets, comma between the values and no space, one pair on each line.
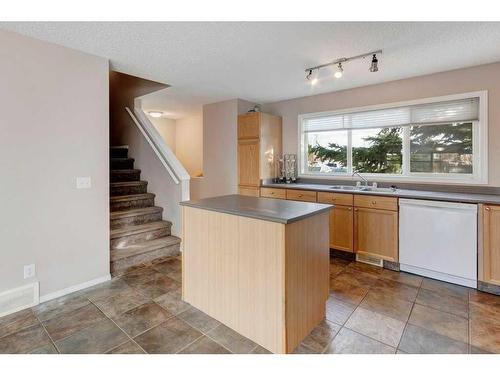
[401,193]
[279,211]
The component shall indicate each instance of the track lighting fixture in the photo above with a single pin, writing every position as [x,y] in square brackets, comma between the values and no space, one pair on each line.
[339,71]
[374,66]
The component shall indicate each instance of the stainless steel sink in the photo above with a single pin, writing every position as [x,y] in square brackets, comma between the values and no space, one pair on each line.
[362,188]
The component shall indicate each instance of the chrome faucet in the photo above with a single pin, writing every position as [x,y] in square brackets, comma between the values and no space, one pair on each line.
[365,181]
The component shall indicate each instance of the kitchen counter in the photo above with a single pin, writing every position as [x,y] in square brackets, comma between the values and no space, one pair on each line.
[401,193]
[279,211]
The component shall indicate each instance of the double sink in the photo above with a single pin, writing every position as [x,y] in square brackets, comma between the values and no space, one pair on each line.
[362,188]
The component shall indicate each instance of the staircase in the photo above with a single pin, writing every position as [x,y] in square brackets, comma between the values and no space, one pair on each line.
[138,233]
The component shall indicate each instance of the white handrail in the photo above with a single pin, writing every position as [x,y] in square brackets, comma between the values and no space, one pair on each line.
[174,167]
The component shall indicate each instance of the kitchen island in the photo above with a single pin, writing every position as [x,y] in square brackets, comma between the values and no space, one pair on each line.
[258,265]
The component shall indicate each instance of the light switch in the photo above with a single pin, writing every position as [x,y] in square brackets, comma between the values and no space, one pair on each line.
[29,271]
[83,183]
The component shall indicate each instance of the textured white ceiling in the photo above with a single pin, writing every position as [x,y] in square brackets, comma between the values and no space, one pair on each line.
[264,62]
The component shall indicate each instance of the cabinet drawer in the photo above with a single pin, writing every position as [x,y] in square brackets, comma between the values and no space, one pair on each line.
[335,198]
[301,195]
[273,193]
[371,201]
[248,191]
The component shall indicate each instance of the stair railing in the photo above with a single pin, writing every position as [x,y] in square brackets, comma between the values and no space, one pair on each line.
[173,166]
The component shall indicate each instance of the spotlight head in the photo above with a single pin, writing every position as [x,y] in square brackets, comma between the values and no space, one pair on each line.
[339,72]
[374,65]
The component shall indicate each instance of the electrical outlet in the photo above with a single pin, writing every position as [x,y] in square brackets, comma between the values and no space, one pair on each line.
[29,271]
[83,183]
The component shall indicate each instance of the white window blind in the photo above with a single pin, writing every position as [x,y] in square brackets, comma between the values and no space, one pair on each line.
[462,110]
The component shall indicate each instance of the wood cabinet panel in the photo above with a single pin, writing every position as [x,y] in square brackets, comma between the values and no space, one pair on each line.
[371,201]
[273,193]
[341,228]
[248,191]
[376,233]
[489,265]
[249,125]
[335,198]
[248,163]
[301,195]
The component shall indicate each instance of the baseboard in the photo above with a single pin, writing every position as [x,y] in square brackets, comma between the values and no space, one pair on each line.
[17,299]
[74,288]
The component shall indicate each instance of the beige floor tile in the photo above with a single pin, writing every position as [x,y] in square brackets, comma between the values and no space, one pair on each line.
[350,342]
[357,278]
[303,349]
[61,305]
[158,285]
[169,337]
[25,340]
[46,349]
[402,277]
[386,304]
[443,302]
[204,345]
[321,336]
[366,268]
[417,340]
[95,339]
[172,302]
[377,326]
[16,322]
[130,347]
[338,311]
[231,340]
[121,302]
[260,350]
[446,324]
[66,324]
[347,292]
[445,288]
[198,319]
[485,334]
[396,289]
[141,318]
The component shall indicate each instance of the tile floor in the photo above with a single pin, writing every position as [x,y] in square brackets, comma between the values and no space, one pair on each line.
[370,310]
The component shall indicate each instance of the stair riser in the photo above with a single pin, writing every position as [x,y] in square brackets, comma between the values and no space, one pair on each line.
[120,266]
[122,164]
[117,176]
[129,190]
[128,205]
[119,242]
[135,220]
[118,152]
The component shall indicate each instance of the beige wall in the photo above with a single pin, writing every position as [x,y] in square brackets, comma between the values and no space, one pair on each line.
[219,148]
[189,143]
[53,128]
[167,129]
[485,77]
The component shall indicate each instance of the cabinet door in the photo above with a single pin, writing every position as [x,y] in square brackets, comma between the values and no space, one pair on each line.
[249,125]
[248,163]
[376,233]
[341,228]
[491,245]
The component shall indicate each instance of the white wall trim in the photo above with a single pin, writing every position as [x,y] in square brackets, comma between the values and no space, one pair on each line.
[74,288]
[36,298]
[480,128]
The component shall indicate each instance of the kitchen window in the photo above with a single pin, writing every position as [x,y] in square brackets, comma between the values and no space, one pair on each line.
[434,140]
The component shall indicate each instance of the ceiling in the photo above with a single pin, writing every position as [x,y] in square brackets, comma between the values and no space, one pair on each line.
[264,62]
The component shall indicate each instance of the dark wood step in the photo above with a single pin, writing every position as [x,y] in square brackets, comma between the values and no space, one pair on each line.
[128,188]
[118,152]
[128,202]
[120,219]
[122,175]
[121,163]
[129,235]
[144,252]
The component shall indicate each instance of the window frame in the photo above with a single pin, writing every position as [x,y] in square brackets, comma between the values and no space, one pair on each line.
[479,147]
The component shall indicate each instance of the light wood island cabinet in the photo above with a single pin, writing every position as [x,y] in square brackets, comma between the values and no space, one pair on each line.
[489,253]
[259,144]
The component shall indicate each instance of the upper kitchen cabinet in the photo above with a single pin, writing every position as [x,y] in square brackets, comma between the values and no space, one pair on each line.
[489,265]
[259,144]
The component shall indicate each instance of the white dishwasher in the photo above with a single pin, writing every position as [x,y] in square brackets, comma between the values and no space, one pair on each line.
[439,240]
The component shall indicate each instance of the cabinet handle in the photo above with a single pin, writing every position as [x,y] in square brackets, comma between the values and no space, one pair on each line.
[356,209]
[487,208]
[373,202]
[349,209]
[300,195]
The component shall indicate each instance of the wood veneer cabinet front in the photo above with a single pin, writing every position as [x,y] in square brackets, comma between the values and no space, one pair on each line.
[341,228]
[268,281]
[301,195]
[489,265]
[376,233]
[259,144]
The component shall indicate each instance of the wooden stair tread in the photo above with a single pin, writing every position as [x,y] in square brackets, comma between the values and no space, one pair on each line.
[136,229]
[131,197]
[135,212]
[143,247]
[128,183]
[122,171]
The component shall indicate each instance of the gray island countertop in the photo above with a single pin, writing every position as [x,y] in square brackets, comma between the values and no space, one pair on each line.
[277,210]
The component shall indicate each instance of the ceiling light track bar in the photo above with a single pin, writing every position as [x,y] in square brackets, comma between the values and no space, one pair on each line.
[342,60]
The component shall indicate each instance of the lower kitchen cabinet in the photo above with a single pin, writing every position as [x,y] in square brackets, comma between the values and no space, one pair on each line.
[376,233]
[489,265]
[341,228]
